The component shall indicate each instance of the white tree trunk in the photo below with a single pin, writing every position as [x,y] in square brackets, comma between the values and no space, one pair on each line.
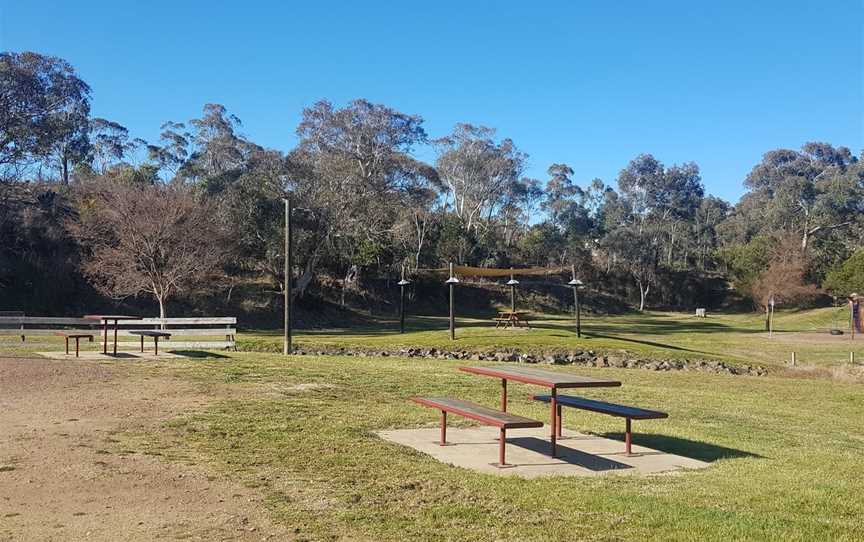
[161,309]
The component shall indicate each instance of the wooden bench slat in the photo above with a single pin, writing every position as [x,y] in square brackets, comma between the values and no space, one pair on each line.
[602,407]
[479,413]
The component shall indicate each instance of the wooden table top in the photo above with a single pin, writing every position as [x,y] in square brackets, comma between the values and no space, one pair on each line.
[541,377]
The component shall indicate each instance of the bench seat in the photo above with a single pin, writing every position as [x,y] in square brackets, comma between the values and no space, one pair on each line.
[601,407]
[485,415]
[149,333]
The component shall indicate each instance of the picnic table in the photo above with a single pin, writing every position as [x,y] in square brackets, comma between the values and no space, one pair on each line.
[540,377]
[105,318]
[512,319]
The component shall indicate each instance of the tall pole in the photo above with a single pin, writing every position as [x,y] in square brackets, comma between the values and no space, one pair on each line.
[451,282]
[512,292]
[576,308]
[287,346]
[402,284]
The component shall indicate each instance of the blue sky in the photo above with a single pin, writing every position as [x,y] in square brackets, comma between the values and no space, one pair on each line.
[591,84]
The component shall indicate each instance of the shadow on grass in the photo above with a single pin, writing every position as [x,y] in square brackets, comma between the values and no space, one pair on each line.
[647,343]
[568,455]
[693,449]
[199,354]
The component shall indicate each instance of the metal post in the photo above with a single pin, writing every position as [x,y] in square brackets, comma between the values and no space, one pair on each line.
[402,309]
[512,292]
[287,347]
[402,284]
[559,420]
[443,427]
[502,441]
[576,284]
[503,395]
[452,282]
[554,421]
[628,438]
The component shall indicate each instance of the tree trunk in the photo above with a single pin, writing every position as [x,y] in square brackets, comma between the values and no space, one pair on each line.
[643,294]
[161,310]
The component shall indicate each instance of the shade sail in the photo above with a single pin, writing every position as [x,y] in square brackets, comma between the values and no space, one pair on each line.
[467,271]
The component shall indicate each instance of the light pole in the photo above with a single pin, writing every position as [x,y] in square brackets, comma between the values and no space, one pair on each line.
[451,282]
[512,283]
[289,261]
[577,285]
[402,284]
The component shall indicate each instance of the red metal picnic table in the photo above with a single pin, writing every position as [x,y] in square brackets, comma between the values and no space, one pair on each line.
[105,318]
[540,377]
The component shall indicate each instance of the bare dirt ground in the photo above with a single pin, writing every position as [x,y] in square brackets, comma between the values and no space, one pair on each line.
[65,476]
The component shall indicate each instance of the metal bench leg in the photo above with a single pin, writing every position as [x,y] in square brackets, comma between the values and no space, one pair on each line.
[503,395]
[559,421]
[77,339]
[502,442]
[443,428]
[67,346]
[628,438]
[156,344]
[142,344]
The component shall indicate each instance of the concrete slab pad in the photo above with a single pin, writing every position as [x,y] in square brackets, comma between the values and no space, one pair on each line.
[99,356]
[476,448]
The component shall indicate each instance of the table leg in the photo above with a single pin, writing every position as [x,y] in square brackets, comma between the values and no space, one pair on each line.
[503,395]
[554,423]
[443,427]
[156,345]
[628,439]
[142,344]
[115,338]
[105,338]
[76,345]
[67,346]
[502,442]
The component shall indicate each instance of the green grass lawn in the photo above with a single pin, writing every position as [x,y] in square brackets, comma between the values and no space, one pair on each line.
[786,454]
[737,338]
[731,337]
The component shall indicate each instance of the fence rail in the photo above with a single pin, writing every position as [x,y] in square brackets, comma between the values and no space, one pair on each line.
[224,327]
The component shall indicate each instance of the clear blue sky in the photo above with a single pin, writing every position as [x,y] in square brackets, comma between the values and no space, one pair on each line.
[591,84]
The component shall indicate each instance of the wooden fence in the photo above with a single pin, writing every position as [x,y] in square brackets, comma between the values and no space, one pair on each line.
[185,332]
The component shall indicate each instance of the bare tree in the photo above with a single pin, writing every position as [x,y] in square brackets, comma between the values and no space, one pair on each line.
[784,280]
[147,239]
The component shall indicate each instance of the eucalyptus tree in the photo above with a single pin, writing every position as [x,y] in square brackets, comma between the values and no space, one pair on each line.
[478,172]
[353,170]
[811,193]
[44,110]
[110,143]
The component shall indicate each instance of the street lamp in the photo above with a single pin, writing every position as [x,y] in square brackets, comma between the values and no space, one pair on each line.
[451,282]
[577,285]
[289,261]
[512,283]
[402,284]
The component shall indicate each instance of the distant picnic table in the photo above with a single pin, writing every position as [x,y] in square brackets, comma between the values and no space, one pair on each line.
[105,318]
[512,319]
